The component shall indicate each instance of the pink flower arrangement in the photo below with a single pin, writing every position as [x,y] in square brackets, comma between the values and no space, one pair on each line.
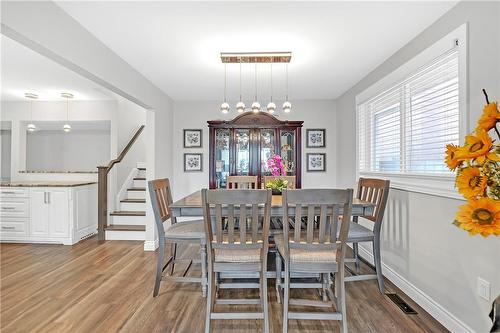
[276,166]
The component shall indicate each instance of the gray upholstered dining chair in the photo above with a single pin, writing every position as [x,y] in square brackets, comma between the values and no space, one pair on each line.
[315,247]
[242,250]
[375,191]
[241,182]
[182,232]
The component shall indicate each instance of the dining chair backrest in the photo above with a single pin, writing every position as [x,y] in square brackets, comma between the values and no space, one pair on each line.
[375,191]
[321,233]
[242,182]
[228,206]
[290,179]
[161,199]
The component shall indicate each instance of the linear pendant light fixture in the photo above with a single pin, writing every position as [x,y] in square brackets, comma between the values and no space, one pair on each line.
[255,58]
[67,126]
[31,127]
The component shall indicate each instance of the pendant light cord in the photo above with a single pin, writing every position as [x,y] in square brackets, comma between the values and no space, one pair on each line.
[225,81]
[240,79]
[271,81]
[286,81]
[255,76]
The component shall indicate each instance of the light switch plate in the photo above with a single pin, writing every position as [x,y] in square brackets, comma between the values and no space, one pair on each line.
[483,288]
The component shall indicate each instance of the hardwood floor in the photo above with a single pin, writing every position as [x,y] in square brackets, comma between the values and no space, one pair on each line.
[108,287]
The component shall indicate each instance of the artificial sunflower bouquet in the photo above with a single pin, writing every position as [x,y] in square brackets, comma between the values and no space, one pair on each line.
[477,167]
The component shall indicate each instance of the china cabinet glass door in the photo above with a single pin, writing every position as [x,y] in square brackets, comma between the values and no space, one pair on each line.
[288,151]
[242,152]
[222,156]
[267,150]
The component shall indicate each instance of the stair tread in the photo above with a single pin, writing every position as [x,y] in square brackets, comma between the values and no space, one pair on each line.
[122,227]
[140,178]
[136,189]
[128,213]
[134,200]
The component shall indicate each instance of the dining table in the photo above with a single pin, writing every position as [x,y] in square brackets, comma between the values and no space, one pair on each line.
[191,206]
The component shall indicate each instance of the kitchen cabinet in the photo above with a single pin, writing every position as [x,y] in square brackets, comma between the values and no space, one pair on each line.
[43,214]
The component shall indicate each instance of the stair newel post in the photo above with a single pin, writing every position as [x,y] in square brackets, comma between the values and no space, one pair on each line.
[102,201]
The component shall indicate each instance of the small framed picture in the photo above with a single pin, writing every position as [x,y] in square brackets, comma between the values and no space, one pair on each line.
[316,162]
[193,162]
[193,138]
[316,138]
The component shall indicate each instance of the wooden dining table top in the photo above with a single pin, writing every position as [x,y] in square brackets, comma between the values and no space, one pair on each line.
[191,206]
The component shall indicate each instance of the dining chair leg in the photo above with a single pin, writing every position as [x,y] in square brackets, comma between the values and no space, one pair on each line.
[278,277]
[174,254]
[286,298]
[203,254]
[210,301]
[159,267]
[324,277]
[378,264]
[341,306]
[264,302]
[355,251]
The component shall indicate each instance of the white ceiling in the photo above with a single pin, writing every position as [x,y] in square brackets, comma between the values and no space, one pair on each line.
[24,70]
[176,44]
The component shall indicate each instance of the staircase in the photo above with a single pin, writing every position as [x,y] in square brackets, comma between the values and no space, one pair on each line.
[129,221]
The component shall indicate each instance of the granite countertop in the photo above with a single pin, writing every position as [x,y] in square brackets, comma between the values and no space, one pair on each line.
[29,183]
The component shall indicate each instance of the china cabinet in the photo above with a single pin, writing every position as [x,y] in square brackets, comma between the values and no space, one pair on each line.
[243,145]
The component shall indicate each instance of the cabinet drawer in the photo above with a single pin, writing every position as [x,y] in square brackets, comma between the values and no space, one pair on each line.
[14,192]
[13,227]
[14,207]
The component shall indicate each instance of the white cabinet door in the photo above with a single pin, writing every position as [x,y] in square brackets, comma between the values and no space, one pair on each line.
[39,222]
[58,212]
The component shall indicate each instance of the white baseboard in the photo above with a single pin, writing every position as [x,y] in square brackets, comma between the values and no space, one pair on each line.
[448,320]
[150,245]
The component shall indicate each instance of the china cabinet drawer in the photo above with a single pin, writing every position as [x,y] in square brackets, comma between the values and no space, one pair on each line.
[14,207]
[10,192]
[13,227]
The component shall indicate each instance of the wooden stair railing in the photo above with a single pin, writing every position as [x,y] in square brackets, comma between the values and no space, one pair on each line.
[102,187]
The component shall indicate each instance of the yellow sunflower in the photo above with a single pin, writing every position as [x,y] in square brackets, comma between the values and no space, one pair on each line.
[477,146]
[470,183]
[489,118]
[451,157]
[480,216]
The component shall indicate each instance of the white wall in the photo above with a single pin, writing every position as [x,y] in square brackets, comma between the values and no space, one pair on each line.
[47,29]
[194,115]
[439,261]
[129,118]
[78,150]
[18,112]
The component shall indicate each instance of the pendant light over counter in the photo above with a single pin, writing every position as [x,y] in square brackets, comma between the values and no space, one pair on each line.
[67,96]
[31,127]
[255,58]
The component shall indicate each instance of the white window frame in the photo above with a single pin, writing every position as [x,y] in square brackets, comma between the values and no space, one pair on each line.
[439,184]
